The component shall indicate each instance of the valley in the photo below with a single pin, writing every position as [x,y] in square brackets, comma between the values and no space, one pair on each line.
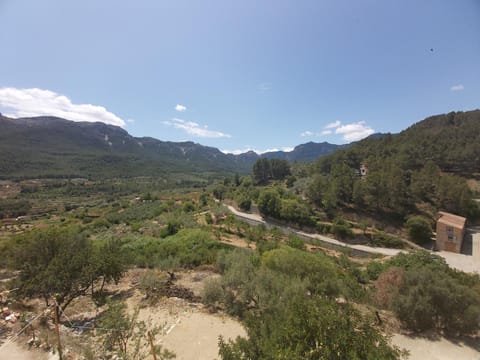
[184,261]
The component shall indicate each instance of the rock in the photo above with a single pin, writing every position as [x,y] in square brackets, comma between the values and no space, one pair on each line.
[11,318]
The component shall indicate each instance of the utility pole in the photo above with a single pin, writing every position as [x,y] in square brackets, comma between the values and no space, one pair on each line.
[152,346]
[57,331]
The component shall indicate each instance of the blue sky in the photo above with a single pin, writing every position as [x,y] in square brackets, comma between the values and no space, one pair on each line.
[241,75]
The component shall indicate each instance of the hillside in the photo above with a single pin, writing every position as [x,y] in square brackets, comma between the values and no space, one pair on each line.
[451,141]
[420,170]
[55,147]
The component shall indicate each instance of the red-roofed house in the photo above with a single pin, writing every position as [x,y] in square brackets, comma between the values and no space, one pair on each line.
[450,232]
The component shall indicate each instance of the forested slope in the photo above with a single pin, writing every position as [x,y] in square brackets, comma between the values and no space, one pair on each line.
[423,168]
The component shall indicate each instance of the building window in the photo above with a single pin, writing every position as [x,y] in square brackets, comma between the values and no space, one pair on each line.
[450,233]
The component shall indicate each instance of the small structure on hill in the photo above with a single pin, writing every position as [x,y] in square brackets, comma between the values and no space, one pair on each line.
[363,170]
[450,232]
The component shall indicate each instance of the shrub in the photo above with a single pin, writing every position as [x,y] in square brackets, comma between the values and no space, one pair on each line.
[151,282]
[379,238]
[309,328]
[100,223]
[429,300]
[387,286]
[244,203]
[212,291]
[419,229]
[296,242]
[341,229]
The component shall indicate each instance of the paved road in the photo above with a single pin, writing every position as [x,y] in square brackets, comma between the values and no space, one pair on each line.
[458,261]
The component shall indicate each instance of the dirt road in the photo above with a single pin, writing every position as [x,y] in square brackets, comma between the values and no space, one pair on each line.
[461,262]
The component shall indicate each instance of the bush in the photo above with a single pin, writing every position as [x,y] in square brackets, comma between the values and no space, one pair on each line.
[419,229]
[379,238]
[316,269]
[244,203]
[151,282]
[387,286]
[429,300]
[374,269]
[188,248]
[296,242]
[341,229]
[309,328]
[100,223]
[212,291]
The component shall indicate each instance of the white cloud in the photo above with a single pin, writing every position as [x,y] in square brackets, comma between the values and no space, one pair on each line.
[195,129]
[264,87]
[326,132]
[39,102]
[235,152]
[307,133]
[354,131]
[458,87]
[180,108]
[259,152]
[131,121]
[333,125]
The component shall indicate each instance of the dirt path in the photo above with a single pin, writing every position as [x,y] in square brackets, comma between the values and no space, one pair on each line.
[14,351]
[457,261]
[441,349]
[194,335]
[326,239]
[188,329]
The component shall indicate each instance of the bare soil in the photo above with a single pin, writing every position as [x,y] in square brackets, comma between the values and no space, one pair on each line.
[191,331]
[424,348]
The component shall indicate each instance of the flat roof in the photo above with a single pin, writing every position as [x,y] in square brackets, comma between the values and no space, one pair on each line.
[451,219]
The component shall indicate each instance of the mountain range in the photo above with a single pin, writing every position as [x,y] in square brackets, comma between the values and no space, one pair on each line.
[55,147]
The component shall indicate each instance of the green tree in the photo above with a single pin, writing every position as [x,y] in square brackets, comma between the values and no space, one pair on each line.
[61,264]
[317,189]
[55,264]
[280,169]
[265,169]
[262,171]
[269,202]
[419,229]
[109,264]
[295,211]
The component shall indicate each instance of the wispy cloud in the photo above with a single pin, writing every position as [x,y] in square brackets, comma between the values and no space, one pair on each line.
[192,128]
[180,108]
[131,121]
[264,87]
[38,102]
[458,87]
[307,134]
[333,125]
[354,131]
[350,132]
